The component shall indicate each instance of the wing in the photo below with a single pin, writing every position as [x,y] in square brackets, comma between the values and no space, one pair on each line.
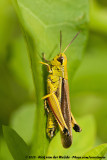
[65,109]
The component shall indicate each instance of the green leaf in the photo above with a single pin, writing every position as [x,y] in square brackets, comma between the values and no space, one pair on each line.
[82,141]
[15,143]
[98,151]
[42,21]
[68,16]
[4,152]
[22,121]
[19,64]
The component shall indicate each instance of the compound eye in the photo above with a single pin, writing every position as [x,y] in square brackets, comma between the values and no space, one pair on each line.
[60,59]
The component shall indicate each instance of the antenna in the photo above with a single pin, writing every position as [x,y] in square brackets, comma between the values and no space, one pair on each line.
[60,41]
[71,42]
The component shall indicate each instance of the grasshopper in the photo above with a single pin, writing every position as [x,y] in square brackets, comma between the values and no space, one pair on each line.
[57,101]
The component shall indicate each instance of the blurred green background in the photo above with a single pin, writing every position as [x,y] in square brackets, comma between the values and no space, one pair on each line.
[89,84]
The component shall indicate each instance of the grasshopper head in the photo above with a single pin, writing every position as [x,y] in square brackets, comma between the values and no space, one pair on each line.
[59,65]
[60,60]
